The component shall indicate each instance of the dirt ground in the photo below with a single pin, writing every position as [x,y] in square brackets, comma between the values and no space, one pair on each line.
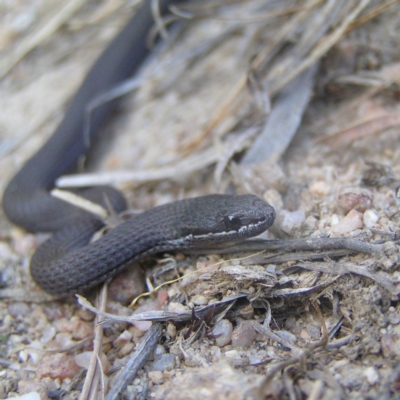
[316,321]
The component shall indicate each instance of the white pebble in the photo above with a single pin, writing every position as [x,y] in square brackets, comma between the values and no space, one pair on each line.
[222,332]
[48,334]
[123,339]
[370,218]
[22,22]
[351,222]
[83,359]
[28,396]
[372,375]
[292,219]
[287,336]
[334,220]
[232,354]
[200,300]
[320,188]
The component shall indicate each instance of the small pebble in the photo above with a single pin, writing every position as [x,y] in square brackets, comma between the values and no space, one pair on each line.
[314,331]
[216,354]
[18,310]
[143,326]
[337,365]
[222,332]
[123,339]
[28,386]
[127,349]
[79,329]
[287,336]
[83,360]
[35,351]
[370,218]
[200,300]
[63,340]
[159,351]
[165,363]
[48,334]
[23,21]
[171,330]
[351,222]
[372,375]
[58,365]
[157,377]
[177,307]
[28,396]
[234,358]
[320,188]
[394,318]
[292,219]
[357,201]
[305,335]
[243,335]
[232,354]
[127,285]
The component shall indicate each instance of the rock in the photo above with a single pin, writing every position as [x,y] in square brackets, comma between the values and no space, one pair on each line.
[219,381]
[18,310]
[123,339]
[222,332]
[320,188]
[83,360]
[243,335]
[357,201]
[166,362]
[372,375]
[292,219]
[57,366]
[352,221]
[28,396]
[127,285]
[157,377]
[79,329]
[200,300]
[370,218]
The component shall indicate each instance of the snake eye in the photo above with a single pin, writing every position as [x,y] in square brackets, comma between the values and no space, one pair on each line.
[232,223]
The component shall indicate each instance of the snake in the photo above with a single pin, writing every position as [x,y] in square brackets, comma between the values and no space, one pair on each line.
[70,262]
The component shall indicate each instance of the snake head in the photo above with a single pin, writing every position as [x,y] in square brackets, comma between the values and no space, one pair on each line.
[225,218]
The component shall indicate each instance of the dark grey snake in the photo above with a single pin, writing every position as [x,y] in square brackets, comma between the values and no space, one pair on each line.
[66,263]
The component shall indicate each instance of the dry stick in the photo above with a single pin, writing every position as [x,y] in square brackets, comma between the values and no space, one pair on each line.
[242,18]
[80,202]
[294,360]
[223,111]
[349,107]
[173,172]
[34,39]
[298,245]
[348,135]
[320,49]
[90,387]
[162,316]
[316,54]
[136,361]
[281,258]
[371,14]
[347,267]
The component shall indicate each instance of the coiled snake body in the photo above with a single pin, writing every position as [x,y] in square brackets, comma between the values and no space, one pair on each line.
[66,263]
